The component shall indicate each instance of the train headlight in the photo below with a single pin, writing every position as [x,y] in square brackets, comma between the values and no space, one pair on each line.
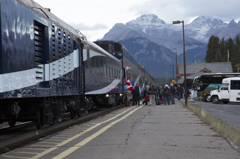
[120,94]
[107,95]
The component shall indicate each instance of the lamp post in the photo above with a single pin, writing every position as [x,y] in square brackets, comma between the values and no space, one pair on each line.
[173,69]
[176,66]
[184,61]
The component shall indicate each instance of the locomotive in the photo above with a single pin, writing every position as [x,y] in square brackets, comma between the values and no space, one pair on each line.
[47,68]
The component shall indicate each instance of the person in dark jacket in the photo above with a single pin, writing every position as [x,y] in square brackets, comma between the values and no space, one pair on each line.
[166,94]
[152,92]
[146,95]
[172,88]
[136,94]
[179,92]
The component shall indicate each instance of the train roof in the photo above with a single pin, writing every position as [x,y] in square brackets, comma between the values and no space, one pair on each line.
[74,33]
[112,41]
[37,8]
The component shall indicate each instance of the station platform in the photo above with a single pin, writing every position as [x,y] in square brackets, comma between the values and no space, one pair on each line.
[135,132]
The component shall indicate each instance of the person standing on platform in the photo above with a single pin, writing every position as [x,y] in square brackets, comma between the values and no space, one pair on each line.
[179,92]
[172,88]
[146,95]
[166,94]
[136,94]
[152,92]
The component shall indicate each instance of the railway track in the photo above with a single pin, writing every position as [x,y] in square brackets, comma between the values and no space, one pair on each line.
[14,138]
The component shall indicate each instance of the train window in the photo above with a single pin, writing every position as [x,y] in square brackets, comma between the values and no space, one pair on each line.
[113,72]
[105,70]
[110,70]
[97,61]
[117,47]
[104,46]
[100,62]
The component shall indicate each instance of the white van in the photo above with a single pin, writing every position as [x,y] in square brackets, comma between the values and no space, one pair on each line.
[230,91]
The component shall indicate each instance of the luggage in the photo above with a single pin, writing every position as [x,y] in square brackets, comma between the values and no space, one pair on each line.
[147,98]
[162,100]
[127,103]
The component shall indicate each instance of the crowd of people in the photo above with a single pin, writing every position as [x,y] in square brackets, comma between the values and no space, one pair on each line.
[156,95]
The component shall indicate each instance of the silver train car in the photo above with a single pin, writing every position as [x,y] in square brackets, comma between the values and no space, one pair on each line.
[135,72]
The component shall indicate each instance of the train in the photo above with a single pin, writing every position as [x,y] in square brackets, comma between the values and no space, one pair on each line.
[48,68]
[134,71]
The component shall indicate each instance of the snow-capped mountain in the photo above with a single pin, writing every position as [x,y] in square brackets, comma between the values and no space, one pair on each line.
[149,30]
[203,27]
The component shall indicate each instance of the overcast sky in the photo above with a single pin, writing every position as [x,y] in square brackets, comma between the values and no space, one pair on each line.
[94,18]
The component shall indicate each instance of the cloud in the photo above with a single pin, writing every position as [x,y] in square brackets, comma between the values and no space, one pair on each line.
[83,27]
[169,10]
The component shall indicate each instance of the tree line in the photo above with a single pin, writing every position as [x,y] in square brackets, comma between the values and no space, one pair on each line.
[217,51]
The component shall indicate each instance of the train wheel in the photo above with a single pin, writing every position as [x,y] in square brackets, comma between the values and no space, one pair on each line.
[59,120]
[52,121]
[39,121]
[85,111]
[11,123]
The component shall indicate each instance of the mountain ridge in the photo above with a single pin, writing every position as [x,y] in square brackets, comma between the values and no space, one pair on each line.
[153,39]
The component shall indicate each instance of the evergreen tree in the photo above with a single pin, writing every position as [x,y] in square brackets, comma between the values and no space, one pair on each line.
[223,50]
[213,48]
[218,56]
[237,51]
[230,46]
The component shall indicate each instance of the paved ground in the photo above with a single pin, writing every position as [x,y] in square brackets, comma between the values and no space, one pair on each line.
[147,132]
[229,113]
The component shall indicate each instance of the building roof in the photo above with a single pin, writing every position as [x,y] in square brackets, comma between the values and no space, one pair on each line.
[216,67]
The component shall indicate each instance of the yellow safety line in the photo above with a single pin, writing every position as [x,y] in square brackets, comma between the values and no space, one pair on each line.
[63,135]
[85,141]
[48,142]
[55,139]
[41,146]
[76,136]
[34,148]
[26,152]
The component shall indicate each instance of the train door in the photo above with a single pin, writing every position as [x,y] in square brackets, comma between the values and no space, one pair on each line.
[81,103]
[81,71]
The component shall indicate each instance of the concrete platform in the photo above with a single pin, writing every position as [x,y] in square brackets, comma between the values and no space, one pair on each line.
[147,132]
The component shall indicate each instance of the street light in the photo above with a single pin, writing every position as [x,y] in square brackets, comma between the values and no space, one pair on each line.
[173,69]
[184,61]
[176,66]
